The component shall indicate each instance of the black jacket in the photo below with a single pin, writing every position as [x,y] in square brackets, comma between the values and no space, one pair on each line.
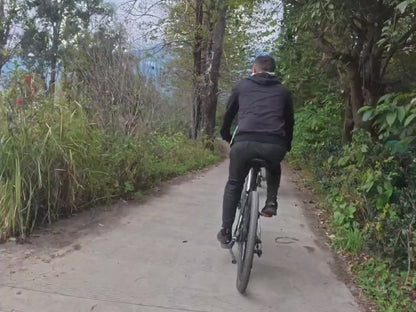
[265,111]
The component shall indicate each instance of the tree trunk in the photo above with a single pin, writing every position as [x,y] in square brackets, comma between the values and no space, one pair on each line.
[210,105]
[356,94]
[54,57]
[197,77]
[52,81]
[370,65]
[348,122]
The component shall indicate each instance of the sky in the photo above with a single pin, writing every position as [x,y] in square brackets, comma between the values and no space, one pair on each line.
[138,26]
[262,40]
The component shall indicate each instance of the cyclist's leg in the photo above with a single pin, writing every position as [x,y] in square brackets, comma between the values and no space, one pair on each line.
[273,176]
[240,156]
[273,154]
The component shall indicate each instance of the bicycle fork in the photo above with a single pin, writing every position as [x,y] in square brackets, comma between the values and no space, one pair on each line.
[257,249]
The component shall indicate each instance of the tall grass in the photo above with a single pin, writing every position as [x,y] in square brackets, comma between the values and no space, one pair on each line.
[53,162]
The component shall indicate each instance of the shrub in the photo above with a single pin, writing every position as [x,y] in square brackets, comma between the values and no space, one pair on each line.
[369,182]
[317,136]
[54,162]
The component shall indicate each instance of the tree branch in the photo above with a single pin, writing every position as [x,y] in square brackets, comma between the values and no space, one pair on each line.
[330,49]
[401,43]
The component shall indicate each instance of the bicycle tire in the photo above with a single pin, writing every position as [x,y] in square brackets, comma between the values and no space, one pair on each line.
[247,244]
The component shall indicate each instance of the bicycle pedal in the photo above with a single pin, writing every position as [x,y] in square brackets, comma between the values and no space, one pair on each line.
[228,245]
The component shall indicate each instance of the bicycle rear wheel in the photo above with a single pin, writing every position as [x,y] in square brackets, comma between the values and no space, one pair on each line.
[247,242]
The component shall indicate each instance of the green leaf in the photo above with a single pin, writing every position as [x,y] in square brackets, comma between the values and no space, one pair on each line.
[367,115]
[364,109]
[339,218]
[409,119]
[389,189]
[350,211]
[402,6]
[364,148]
[380,203]
[401,113]
[391,118]
[384,98]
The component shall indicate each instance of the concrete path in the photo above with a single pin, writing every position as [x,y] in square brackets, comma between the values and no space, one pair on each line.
[162,255]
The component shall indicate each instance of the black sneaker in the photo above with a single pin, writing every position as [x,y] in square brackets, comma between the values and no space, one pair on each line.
[224,237]
[270,209]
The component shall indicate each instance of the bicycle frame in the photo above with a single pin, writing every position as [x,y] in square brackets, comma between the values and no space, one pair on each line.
[250,184]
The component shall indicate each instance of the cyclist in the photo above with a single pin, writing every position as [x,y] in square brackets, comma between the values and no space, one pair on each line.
[265,130]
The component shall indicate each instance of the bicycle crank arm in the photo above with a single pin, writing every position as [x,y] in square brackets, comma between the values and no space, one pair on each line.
[233,259]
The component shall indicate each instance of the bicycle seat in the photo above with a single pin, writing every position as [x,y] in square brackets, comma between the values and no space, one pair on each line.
[258,163]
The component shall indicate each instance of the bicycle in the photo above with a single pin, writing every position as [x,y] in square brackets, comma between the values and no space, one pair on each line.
[247,231]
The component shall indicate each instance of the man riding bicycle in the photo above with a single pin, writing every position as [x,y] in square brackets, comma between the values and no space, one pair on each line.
[265,130]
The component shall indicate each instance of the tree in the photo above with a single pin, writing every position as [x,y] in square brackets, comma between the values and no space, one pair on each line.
[194,34]
[103,75]
[10,11]
[54,26]
[362,38]
[207,21]
[208,49]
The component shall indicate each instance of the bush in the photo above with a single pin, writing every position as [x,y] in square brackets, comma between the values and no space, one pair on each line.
[376,175]
[317,135]
[54,162]
[369,182]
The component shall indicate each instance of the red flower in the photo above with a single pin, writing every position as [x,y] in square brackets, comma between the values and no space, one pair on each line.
[28,79]
[19,102]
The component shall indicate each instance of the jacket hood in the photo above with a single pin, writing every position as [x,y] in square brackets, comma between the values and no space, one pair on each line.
[264,79]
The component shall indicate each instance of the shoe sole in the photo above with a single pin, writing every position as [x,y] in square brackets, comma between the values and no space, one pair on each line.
[267,215]
[225,246]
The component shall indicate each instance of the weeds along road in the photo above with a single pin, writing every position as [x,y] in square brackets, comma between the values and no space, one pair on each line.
[162,255]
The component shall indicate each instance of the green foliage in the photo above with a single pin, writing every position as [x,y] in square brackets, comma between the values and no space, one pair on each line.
[51,28]
[10,18]
[395,195]
[302,69]
[371,191]
[348,236]
[395,120]
[317,135]
[370,177]
[370,181]
[54,161]
[392,290]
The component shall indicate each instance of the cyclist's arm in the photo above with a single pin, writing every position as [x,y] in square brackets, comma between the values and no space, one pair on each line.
[232,109]
[289,121]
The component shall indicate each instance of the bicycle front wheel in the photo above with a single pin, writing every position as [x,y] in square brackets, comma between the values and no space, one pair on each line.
[247,242]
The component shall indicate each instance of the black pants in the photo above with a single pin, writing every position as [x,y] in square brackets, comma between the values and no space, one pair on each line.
[240,156]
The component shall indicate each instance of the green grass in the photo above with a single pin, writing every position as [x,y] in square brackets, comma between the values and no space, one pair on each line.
[53,162]
[391,289]
[349,241]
